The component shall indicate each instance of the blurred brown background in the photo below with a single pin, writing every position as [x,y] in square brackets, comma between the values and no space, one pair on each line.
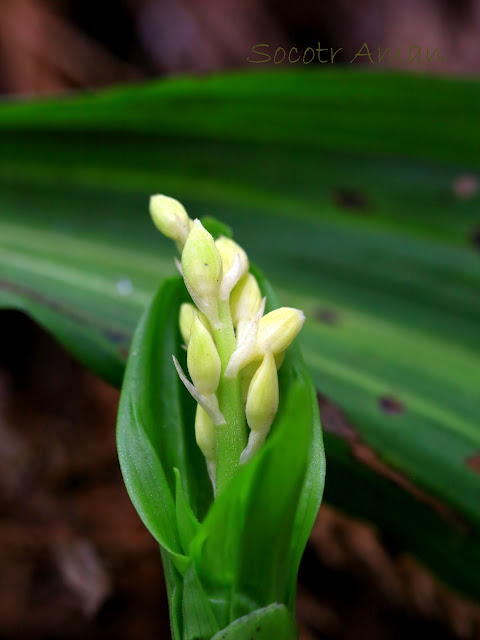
[49,45]
[75,560]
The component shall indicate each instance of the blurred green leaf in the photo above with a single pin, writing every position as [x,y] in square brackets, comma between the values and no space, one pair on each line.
[356,193]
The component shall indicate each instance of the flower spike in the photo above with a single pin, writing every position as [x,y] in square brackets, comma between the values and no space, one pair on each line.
[233,349]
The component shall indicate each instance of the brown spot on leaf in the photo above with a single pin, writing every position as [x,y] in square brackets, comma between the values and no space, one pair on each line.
[390,404]
[473,462]
[335,422]
[351,199]
[465,186]
[327,316]
[115,336]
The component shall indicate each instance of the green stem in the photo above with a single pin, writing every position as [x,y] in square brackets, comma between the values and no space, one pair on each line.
[232,436]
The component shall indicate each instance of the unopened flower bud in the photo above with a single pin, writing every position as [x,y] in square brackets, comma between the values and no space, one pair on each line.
[202,270]
[278,329]
[227,249]
[170,217]
[262,404]
[235,264]
[186,318]
[207,442]
[262,398]
[245,302]
[203,360]
[205,434]
[248,372]
[246,350]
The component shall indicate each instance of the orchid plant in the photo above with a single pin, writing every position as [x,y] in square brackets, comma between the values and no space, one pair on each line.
[226,468]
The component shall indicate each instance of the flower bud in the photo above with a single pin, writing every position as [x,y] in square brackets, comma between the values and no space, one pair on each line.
[205,434]
[203,360]
[227,249]
[170,217]
[246,375]
[235,265]
[202,270]
[278,329]
[245,301]
[262,404]
[186,318]
[262,397]
[247,346]
[248,372]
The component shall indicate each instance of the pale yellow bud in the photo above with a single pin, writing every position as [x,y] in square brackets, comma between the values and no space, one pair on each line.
[278,329]
[227,249]
[170,217]
[235,265]
[202,270]
[262,398]
[186,318]
[185,321]
[247,374]
[245,300]
[205,434]
[203,360]
[261,405]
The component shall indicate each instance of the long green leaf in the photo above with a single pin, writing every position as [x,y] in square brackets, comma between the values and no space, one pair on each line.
[346,189]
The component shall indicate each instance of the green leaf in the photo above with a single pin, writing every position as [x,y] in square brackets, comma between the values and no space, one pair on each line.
[187,524]
[274,621]
[199,622]
[310,498]
[174,584]
[344,187]
[216,228]
[270,506]
[154,432]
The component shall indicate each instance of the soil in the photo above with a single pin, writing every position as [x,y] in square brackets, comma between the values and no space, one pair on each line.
[77,562]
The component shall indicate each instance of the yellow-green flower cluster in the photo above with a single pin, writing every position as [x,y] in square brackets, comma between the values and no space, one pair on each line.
[234,350]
